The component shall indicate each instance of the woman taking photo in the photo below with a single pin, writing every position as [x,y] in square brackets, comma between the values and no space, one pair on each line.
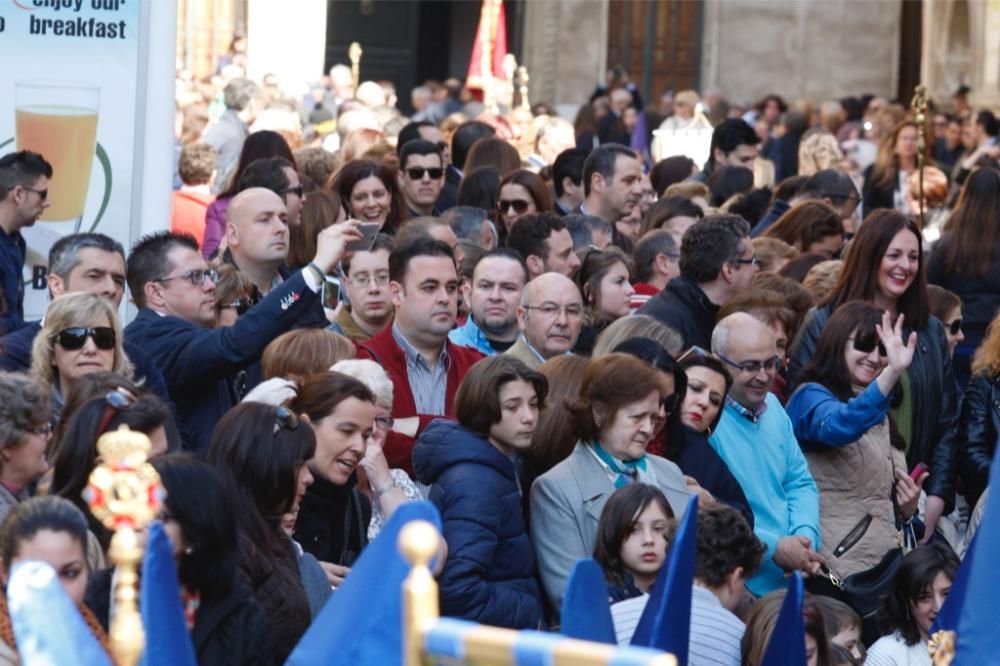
[473,467]
[884,268]
[615,418]
[261,453]
[603,279]
[81,335]
[370,193]
[25,430]
[840,416]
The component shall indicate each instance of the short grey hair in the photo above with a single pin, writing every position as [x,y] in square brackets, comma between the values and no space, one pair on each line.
[24,405]
[238,93]
[65,254]
[371,374]
[467,223]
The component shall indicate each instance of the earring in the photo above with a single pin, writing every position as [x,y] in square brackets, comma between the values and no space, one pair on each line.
[188,550]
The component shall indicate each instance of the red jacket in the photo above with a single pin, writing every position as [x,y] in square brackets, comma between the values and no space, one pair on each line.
[383,349]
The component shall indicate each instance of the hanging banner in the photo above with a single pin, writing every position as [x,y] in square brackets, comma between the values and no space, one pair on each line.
[69,89]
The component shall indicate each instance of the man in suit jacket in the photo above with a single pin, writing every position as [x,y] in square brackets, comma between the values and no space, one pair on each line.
[170,282]
[549,318]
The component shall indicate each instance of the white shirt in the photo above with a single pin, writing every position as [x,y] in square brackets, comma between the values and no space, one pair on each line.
[892,650]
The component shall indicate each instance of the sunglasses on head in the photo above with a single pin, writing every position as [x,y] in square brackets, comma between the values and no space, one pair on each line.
[955,326]
[116,401]
[285,418]
[519,205]
[417,173]
[243,305]
[75,337]
[867,342]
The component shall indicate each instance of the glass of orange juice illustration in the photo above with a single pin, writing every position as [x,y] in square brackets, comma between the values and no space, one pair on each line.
[59,121]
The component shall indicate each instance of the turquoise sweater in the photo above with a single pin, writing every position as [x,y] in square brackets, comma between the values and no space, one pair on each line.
[766,460]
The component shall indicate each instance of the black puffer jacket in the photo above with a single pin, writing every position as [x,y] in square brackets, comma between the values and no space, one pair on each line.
[684,307]
[979,427]
[935,399]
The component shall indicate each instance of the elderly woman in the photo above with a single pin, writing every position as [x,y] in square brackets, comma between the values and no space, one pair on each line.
[24,434]
[81,335]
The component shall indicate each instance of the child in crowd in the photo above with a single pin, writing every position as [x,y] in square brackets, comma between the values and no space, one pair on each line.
[843,626]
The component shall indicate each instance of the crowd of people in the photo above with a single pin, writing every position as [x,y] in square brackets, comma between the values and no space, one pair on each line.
[552,337]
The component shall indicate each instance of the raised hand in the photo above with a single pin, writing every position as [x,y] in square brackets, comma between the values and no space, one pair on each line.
[898,352]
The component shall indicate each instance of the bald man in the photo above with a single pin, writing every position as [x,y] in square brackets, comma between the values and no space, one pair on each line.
[257,236]
[549,318]
[756,440]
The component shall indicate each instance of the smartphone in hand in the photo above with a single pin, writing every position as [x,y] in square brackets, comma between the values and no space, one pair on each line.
[368,231]
[331,292]
[918,470]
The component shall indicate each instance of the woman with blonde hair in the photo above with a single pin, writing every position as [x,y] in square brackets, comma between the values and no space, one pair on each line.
[885,180]
[81,335]
[303,352]
[637,326]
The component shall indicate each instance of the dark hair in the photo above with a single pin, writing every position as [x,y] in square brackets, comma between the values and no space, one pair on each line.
[477,401]
[411,132]
[148,260]
[534,184]
[467,222]
[357,170]
[259,469]
[421,246]
[568,164]
[712,362]
[594,266]
[914,576]
[728,180]
[319,211]
[75,456]
[989,122]
[859,278]
[668,208]
[603,160]
[751,205]
[319,394]
[762,622]
[617,518]
[671,170]
[612,381]
[827,366]
[21,169]
[196,499]
[806,223]
[65,253]
[531,233]
[832,184]
[942,302]
[972,229]
[504,253]
[729,135]
[711,243]
[464,137]
[418,147]
[798,267]
[480,188]
[267,172]
[724,541]
[650,246]
[381,242]
[837,616]
[495,152]
[554,438]
[257,145]
[788,188]
[35,514]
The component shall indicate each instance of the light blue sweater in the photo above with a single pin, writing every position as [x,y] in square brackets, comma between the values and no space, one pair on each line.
[766,460]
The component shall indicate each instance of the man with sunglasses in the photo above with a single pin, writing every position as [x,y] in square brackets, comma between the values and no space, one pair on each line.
[174,289]
[421,176]
[755,439]
[24,192]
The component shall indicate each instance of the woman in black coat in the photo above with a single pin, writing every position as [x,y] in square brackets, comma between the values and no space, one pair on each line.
[980,423]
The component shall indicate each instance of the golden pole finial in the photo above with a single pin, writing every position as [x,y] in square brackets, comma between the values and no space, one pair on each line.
[354,54]
[522,77]
[919,106]
[418,542]
[124,493]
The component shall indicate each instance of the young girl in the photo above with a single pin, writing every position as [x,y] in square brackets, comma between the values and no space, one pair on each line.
[632,539]
[843,627]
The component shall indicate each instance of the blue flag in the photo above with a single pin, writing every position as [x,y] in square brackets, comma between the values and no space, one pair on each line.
[47,625]
[586,614]
[168,642]
[362,623]
[787,646]
[665,623]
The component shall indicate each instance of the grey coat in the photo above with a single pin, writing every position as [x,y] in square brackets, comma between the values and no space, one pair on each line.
[566,505]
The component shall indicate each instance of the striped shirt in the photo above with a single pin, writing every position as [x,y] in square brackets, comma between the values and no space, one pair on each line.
[715,632]
[428,385]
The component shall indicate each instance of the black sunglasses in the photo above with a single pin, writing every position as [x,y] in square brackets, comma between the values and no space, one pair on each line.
[243,305]
[75,337]
[417,173]
[285,418]
[293,189]
[866,343]
[955,326]
[519,205]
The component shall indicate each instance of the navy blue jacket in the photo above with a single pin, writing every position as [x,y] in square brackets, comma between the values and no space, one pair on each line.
[12,253]
[489,576]
[197,363]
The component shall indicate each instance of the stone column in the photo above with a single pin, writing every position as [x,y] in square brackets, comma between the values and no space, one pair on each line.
[565,51]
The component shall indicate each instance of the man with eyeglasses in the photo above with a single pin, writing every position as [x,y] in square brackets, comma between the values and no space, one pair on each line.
[24,192]
[756,440]
[366,279]
[717,262]
[421,176]
[549,318]
[174,289]
[493,296]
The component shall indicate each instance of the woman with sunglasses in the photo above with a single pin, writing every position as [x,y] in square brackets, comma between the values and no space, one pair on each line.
[615,417]
[603,279]
[261,453]
[884,268]
[840,414]
[235,293]
[521,193]
[25,429]
[370,193]
[81,335]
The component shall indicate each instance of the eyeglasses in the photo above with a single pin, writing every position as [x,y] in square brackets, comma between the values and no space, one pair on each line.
[417,173]
[866,343]
[75,337]
[44,430]
[955,327]
[754,261]
[42,194]
[364,281]
[754,367]
[293,189]
[196,277]
[519,205]
[116,401]
[552,310]
[385,422]
[285,418]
